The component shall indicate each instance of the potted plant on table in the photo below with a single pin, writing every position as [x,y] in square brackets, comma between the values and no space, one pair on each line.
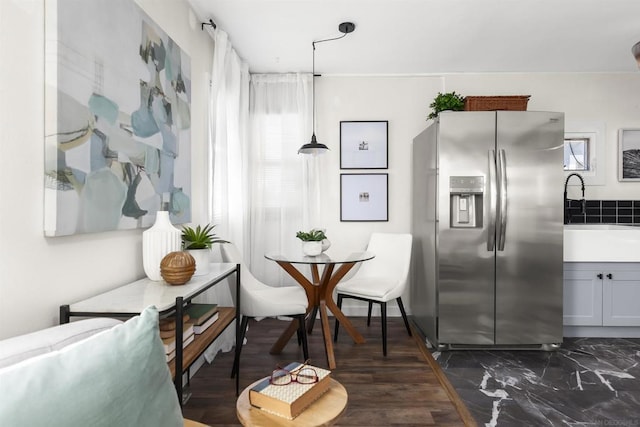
[198,242]
[312,241]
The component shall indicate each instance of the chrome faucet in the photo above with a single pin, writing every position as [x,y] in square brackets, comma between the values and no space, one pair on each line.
[583,210]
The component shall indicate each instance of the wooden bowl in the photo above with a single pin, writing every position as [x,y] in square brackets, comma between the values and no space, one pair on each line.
[176,268]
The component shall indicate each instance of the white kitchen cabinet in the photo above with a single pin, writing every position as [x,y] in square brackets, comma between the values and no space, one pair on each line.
[621,296]
[582,296]
[601,294]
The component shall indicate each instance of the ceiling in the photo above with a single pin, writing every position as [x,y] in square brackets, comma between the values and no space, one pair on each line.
[430,36]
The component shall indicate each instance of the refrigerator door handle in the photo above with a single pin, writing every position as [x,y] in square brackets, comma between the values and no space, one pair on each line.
[502,196]
[493,191]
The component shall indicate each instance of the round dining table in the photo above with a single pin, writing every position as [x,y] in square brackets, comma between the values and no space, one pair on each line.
[319,290]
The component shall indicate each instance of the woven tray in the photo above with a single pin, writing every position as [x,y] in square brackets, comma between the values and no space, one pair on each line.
[492,103]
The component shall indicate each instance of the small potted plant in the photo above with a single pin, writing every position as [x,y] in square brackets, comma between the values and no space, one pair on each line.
[312,241]
[446,101]
[198,242]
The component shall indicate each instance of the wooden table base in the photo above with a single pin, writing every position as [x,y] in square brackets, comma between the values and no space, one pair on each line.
[320,297]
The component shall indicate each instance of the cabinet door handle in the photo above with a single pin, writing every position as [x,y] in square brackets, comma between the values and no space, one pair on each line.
[599,275]
[609,276]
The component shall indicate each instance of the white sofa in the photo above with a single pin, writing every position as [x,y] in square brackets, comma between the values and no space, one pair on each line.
[93,372]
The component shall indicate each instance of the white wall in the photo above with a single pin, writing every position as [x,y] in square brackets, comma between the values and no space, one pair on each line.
[400,100]
[403,102]
[610,98]
[38,274]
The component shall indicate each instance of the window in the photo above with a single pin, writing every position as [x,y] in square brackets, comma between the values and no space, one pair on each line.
[576,154]
[584,143]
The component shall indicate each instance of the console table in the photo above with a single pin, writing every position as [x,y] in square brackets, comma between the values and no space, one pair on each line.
[131,299]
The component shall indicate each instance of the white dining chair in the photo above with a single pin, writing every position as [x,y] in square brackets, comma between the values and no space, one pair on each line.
[382,279]
[258,299]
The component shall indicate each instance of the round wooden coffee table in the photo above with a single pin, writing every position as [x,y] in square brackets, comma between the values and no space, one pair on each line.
[323,412]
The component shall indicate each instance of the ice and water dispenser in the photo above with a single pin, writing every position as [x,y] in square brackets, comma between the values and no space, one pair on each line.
[466,197]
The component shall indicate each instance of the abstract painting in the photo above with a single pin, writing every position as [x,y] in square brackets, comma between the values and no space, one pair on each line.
[118,119]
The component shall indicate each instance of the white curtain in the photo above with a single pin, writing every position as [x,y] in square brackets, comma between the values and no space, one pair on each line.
[261,191]
[227,151]
[283,183]
[228,124]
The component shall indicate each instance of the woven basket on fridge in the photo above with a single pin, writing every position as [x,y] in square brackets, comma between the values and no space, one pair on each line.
[492,103]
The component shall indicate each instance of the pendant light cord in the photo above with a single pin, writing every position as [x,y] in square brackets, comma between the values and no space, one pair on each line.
[313,77]
[328,40]
[313,89]
[314,147]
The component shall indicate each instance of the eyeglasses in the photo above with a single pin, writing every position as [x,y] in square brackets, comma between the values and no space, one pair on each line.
[302,375]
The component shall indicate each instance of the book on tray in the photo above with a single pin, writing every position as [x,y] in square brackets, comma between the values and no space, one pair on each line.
[200,313]
[198,329]
[291,399]
[187,338]
[172,354]
[202,316]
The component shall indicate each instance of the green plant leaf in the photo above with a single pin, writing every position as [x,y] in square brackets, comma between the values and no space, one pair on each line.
[199,237]
[313,235]
[446,101]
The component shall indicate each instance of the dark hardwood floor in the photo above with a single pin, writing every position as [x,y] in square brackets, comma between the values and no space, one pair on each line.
[407,388]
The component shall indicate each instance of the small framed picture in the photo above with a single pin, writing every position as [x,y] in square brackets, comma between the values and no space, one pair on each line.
[629,155]
[364,144]
[364,197]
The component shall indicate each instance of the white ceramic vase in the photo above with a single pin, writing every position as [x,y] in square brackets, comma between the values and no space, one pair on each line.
[312,248]
[202,257]
[157,242]
[326,244]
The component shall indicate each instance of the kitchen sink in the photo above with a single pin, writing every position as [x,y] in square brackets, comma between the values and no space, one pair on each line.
[601,243]
[600,227]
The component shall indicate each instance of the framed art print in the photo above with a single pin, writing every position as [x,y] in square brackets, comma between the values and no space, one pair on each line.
[364,197]
[629,155]
[364,144]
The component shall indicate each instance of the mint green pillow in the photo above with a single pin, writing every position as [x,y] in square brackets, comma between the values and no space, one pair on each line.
[118,377]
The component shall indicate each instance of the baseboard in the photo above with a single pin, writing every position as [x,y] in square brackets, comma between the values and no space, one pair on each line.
[602,331]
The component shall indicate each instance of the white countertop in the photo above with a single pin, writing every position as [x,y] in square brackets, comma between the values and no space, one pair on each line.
[601,243]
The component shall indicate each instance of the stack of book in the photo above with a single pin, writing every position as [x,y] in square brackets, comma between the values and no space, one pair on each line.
[168,335]
[289,400]
[202,316]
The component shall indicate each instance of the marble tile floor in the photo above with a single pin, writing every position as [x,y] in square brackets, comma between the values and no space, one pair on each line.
[587,382]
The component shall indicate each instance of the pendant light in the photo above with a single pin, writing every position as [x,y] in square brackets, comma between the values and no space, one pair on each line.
[314,147]
[636,52]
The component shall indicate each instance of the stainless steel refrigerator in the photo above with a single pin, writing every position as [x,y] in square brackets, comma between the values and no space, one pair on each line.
[487,224]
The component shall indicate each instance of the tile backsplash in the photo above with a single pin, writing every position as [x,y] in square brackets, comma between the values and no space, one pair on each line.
[603,212]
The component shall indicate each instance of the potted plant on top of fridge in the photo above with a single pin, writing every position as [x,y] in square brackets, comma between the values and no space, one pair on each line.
[446,101]
[198,242]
